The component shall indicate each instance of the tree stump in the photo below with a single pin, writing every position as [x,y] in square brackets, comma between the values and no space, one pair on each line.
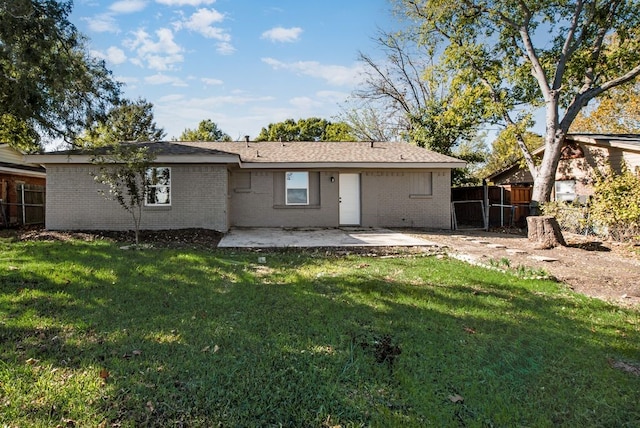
[545,232]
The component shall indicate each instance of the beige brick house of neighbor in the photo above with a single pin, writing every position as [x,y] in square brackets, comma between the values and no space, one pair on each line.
[20,182]
[218,185]
[582,155]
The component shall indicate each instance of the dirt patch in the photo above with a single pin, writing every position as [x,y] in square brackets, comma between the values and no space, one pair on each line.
[606,270]
[181,238]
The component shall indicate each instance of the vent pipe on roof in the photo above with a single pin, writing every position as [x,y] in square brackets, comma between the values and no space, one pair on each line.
[246,140]
[371,144]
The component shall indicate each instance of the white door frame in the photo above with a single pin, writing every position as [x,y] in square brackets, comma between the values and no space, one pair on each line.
[349,194]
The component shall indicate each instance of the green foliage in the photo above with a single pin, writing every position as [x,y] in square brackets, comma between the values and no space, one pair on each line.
[515,57]
[572,217]
[339,131]
[616,203]
[207,131]
[49,82]
[616,112]
[311,129]
[505,150]
[123,170]
[431,108]
[130,121]
[18,134]
[92,335]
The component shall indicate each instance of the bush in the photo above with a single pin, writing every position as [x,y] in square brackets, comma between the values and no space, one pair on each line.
[616,203]
[572,217]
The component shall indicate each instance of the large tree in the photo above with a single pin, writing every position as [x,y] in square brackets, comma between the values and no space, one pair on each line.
[555,55]
[418,99]
[207,130]
[310,129]
[128,121]
[369,122]
[49,84]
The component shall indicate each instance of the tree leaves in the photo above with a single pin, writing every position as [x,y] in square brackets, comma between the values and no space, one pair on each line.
[618,112]
[49,82]
[207,131]
[129,121]
[311,129]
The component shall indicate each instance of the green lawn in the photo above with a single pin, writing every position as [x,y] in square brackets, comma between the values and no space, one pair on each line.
[92,335]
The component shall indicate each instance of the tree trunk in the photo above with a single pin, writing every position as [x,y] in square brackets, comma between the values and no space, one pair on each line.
[545,232]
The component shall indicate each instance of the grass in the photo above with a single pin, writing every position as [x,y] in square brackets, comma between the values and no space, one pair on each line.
[91,335]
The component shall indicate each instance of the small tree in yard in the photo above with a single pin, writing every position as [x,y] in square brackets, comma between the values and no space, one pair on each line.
[124,170]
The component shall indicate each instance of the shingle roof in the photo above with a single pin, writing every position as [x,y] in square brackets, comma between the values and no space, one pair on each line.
[327,152]
[269,154]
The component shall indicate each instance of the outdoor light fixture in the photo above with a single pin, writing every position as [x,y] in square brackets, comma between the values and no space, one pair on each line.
[333,179]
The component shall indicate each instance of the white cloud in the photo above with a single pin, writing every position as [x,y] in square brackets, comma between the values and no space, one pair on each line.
[163,79]
[210,82]
[225,48]
[337,75]
[333,96]
[159,55]
[203,22]
[176,112]
[280,34]
[185,2]
[104,23]
[304,103]
[128,6]
[113,55]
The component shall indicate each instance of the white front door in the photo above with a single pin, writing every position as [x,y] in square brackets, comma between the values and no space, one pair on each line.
[349,199]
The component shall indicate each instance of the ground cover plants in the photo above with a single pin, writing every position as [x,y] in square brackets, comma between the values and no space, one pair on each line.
[93,335]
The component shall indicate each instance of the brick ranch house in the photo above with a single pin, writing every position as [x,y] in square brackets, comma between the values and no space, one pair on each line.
[18,181]
[218,185]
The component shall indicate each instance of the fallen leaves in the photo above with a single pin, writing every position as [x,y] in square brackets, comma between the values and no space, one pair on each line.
[456,398]
[207,348]
[104,374]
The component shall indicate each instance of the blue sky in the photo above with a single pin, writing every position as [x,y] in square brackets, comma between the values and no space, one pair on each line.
[241,63]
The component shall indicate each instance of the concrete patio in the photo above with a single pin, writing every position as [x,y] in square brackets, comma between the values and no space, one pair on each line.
[310,238]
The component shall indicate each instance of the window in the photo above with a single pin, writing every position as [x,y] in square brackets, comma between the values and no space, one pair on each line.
[297,188]
[566,190]
[420,184]
[158,187]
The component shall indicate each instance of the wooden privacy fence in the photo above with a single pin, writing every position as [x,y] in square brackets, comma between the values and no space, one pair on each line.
[28,208]
[481,207]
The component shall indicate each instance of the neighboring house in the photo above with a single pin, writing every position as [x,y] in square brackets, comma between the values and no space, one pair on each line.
[582,156]
[218,185]
[19,182]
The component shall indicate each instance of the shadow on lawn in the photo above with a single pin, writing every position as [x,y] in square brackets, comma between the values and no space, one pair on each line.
[203,338]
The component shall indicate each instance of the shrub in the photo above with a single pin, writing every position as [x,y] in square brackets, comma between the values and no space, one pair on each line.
[616,203]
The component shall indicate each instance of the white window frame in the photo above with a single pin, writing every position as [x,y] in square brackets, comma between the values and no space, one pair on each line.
[288,178]
[565,190]
[153,187]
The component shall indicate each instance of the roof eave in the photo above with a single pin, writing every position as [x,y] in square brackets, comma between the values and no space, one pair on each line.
[23,172]
[344,165]
[164,159]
